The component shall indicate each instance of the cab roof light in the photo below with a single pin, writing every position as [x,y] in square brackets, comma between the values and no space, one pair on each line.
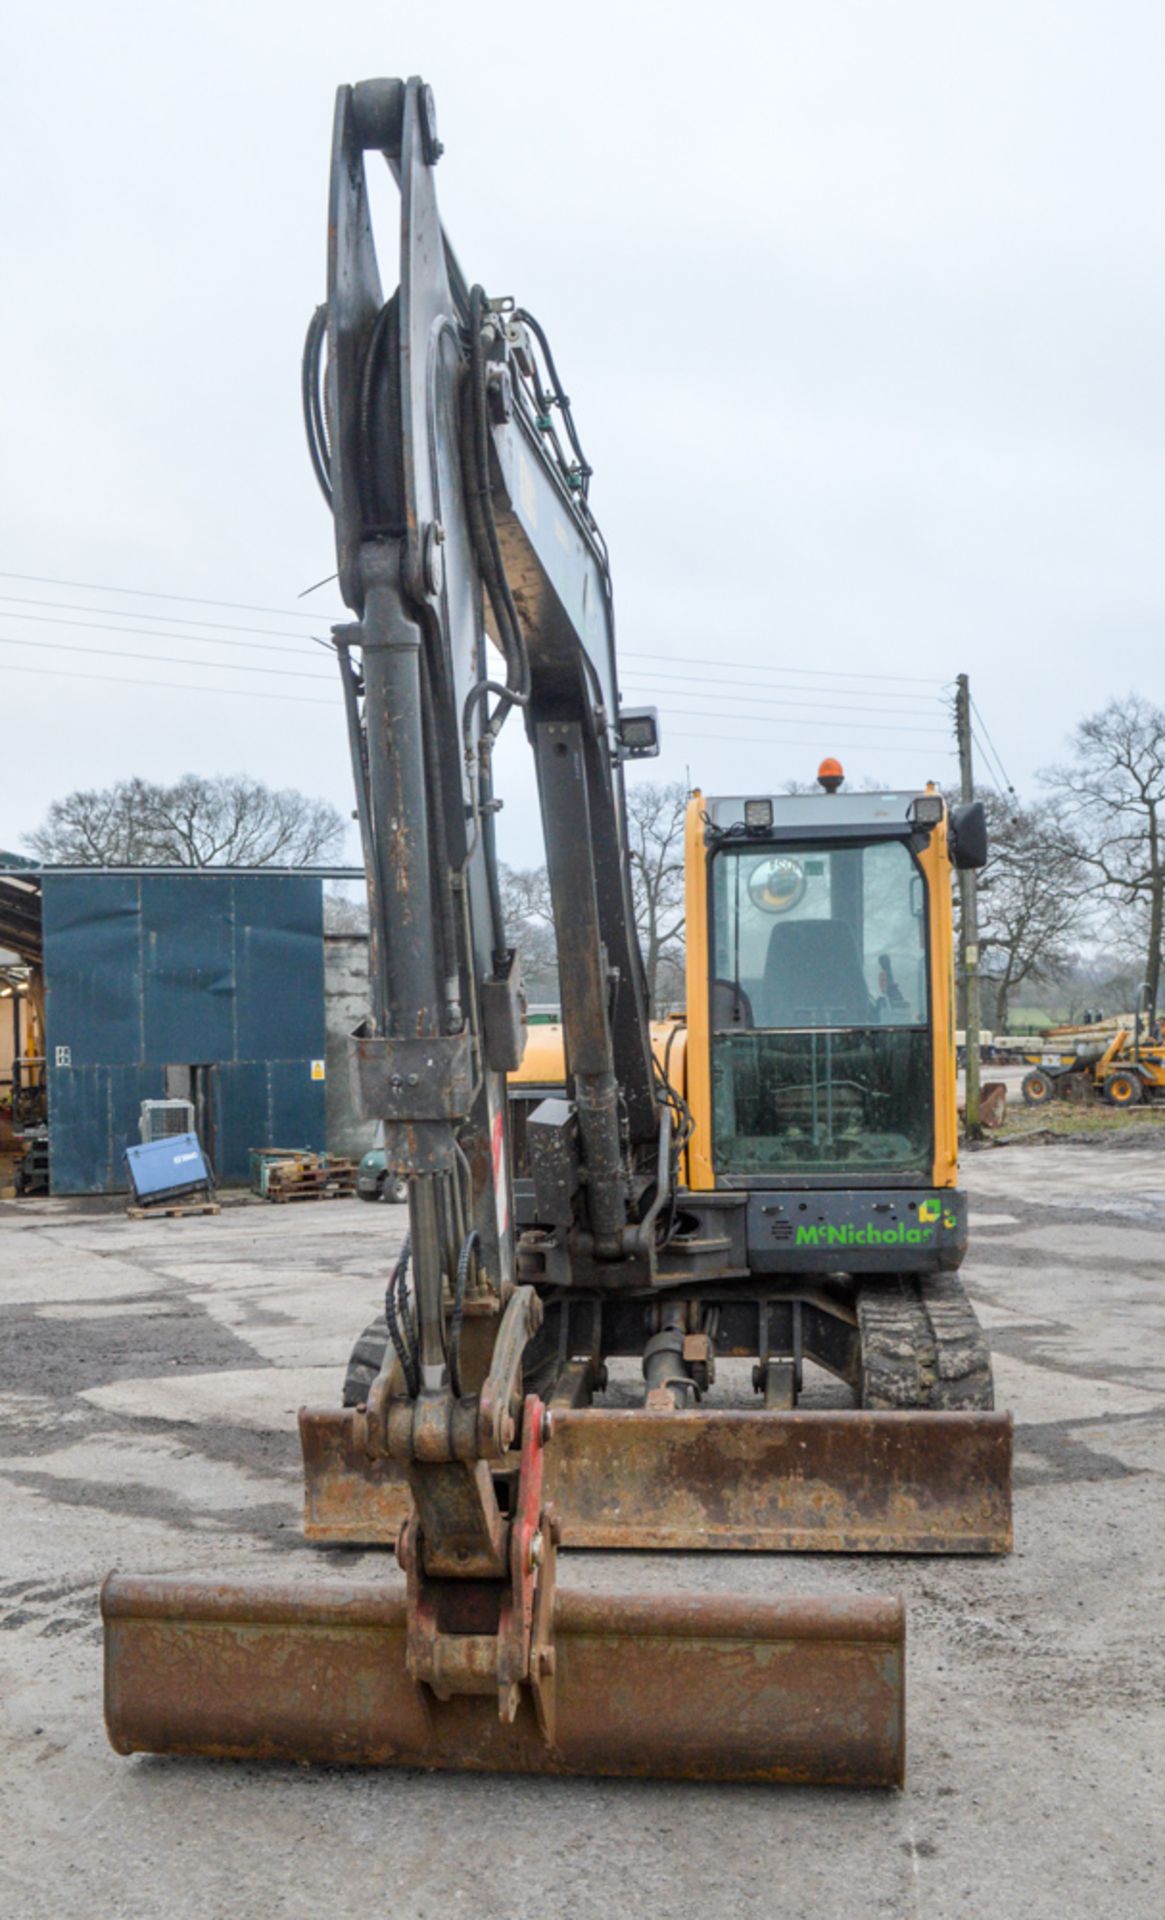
[830,774]
[758,815]
[926,810]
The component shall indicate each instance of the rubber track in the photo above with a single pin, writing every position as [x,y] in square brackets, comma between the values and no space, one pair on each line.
[366,1356]
[364,1363]
[922,1346]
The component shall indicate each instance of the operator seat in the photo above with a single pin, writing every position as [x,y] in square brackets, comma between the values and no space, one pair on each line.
[814,978]
[731,1006]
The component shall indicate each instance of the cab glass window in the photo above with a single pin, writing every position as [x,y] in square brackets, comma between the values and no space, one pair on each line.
[820,1050]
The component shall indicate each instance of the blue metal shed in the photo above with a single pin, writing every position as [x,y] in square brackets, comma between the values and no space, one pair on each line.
[150,975]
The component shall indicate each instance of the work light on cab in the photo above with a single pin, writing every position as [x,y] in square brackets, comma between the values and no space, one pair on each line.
[927,809]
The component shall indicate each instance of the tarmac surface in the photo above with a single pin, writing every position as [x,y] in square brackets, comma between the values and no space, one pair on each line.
[149,1378]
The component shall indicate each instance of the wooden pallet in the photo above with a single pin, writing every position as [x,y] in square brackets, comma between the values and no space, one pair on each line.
[323,1180]
[311,1190]
[282,1199]
[176,1212]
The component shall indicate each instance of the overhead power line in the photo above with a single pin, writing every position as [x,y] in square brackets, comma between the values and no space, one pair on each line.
[127,613]
[176,686]
[816,673]
[994,753]
[689,686]
[693,676]
[703,676]
[864,726]
[801,719]
[162,659]
[152,633]
[809,740]
[992,770]
[768,678]
[149,593]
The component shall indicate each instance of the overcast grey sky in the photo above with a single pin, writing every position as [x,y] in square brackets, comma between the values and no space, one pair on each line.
[860,307]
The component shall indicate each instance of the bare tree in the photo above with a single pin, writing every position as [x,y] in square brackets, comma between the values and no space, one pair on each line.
[99,829]
[345,916]
[1031,907]
[1111,797]
[228,820]
[1100,981]
[655,823]
[655,818]
[530,925]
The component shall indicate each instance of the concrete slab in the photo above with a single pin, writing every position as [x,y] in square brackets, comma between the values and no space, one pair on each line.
[266,1400]
[36,1276]
[145,1465]
[1054,1393]
[1035,1683]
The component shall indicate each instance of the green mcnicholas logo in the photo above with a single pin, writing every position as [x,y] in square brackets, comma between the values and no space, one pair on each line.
[898,1235]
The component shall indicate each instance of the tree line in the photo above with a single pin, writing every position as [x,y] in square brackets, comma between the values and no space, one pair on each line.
[225,820]
[1074,893]
[655,845]
[1073,897]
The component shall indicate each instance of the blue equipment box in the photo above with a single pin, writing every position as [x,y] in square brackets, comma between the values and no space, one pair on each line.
[173,1165]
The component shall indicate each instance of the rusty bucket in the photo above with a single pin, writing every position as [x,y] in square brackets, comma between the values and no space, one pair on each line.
[683,1687]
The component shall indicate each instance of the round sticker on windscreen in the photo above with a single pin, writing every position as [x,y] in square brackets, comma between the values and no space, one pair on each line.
[778,884]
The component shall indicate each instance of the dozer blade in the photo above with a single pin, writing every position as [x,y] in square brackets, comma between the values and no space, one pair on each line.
[783,1482]
[837,1482]
[683,1687]
[350,1498]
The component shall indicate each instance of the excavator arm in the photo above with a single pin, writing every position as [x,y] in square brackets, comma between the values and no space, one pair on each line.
[480,590]
[451,496]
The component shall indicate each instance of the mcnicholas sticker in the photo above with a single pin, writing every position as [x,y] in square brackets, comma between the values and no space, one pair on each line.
[901,1233]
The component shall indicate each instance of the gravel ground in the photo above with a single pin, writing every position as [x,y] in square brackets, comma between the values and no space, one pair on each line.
[149,1376]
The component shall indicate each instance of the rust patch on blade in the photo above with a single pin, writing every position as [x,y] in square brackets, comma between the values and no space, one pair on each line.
[711,1480]
[350,1499]
[842,1482]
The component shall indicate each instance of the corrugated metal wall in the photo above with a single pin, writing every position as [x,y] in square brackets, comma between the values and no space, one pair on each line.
[145,971]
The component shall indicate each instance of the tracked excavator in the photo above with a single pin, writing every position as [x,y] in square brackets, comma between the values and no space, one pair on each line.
[772,1178]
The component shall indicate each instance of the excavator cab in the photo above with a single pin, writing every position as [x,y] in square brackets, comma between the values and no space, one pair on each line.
[820,1054]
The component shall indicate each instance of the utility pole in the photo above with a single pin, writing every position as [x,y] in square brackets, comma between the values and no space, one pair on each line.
[969,901]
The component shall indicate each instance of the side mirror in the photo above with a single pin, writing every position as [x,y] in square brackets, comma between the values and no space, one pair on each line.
[968,835]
